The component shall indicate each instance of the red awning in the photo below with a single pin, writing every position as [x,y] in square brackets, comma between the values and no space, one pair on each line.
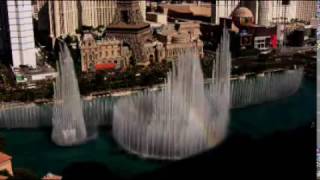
[105,66]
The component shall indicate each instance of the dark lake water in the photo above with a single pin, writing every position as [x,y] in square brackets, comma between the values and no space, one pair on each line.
[33,148]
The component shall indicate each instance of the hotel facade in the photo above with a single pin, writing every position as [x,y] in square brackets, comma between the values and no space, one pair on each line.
[67,16]
[21,33]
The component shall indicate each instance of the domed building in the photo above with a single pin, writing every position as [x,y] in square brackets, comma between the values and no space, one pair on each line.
[242,16]
[251,35]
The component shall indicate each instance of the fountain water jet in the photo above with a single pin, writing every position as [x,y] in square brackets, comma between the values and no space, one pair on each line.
[68,123]
[178,121]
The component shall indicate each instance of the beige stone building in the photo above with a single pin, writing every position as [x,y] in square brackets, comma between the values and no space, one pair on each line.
[306,10]
[103,54]
[173,40]
[180,37]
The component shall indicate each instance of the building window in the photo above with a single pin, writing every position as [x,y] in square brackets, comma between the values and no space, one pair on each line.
[91,66]
[268,42]
[125,16]
[260,44]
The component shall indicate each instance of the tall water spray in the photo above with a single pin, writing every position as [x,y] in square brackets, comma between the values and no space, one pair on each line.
[67,122]
[177,121]
[219,91]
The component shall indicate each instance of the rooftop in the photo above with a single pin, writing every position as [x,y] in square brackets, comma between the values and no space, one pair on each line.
[128,26]
[196,10]
[242,12]
[39,70]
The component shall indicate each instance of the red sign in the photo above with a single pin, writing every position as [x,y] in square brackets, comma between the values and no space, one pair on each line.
[274,41]
[105,66]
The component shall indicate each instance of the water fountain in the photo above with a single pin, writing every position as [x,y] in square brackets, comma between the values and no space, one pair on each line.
[219,91]
[266,87]
[245,91]
[68,124]
[178,121]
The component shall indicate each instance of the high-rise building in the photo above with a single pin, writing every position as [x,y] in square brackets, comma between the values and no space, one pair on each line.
[272,12]
[41,16]
[306,10]
[96,13]
[267,12]
[279,11]
[143,8]
[21,33]
[64,17]
[222,8]
[67,16]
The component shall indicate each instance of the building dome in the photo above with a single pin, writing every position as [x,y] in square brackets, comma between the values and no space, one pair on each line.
[242,16]
[242,12]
